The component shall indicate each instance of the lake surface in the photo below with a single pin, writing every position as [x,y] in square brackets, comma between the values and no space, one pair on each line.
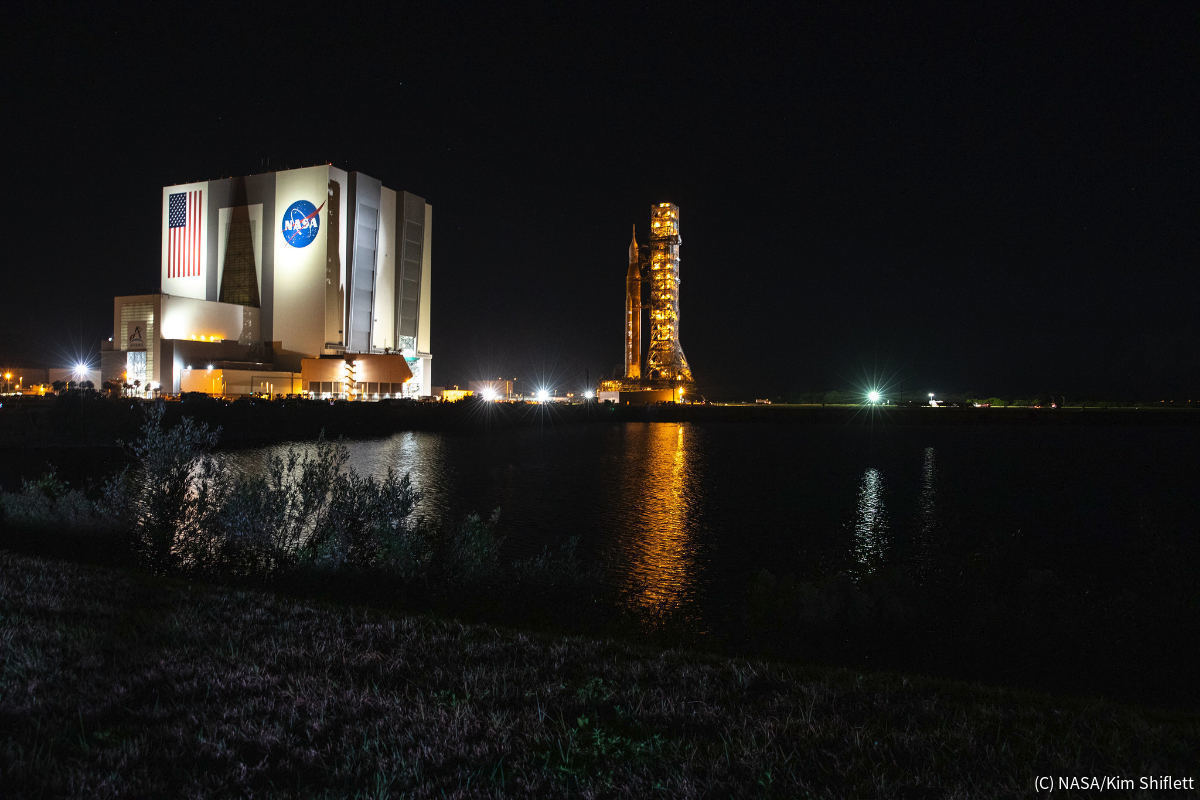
[681,517]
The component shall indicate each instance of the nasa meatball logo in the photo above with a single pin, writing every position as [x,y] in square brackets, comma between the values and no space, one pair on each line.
[301,222]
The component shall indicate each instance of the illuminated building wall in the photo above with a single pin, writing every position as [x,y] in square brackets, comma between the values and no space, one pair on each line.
[201,321]
[360,376]
[221,382]
[151,329]
[300,239]
[136,321]
[329,261]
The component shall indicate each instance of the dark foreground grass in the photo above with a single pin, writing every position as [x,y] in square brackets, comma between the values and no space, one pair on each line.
[114,683]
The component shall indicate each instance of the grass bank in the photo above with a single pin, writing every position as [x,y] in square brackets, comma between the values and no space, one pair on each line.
[117,683]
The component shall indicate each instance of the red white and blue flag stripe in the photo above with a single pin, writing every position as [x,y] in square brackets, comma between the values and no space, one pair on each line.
[183,243]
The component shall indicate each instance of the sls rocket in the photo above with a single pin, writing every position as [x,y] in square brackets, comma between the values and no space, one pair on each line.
[633,313]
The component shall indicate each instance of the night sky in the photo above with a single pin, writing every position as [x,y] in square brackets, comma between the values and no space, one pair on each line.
[989,197]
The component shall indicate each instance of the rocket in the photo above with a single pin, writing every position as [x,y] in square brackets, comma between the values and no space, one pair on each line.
[633,313]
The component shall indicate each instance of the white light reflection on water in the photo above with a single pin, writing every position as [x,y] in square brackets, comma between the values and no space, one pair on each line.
[870,524]
[927,514]
[418,454]
[928,492]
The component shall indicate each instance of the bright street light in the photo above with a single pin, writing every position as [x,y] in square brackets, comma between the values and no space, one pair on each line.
[873,396]
[542,395]
[489,395]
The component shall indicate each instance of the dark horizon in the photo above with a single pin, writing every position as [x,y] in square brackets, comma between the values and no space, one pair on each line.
[956,198]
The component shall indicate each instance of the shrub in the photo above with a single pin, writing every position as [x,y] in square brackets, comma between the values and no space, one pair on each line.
[468,552]
[558,572]
[184,511]
[269,522]
[366,524]
[306,514]
[48,502]
[168,497]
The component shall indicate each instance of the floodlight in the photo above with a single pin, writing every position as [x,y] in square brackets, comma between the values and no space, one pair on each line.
[873,396]
[542,395]
[489,395]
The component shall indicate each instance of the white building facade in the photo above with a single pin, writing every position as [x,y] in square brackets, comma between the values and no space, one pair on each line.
[282,266]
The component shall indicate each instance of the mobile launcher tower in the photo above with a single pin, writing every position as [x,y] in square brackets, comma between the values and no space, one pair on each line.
[666,371]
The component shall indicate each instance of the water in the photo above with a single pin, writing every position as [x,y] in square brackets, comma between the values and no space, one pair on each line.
[683,516]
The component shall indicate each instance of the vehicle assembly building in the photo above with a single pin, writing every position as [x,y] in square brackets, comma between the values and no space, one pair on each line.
[264,277]
[652,285]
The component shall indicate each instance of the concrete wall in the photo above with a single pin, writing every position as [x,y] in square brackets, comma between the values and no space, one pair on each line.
[360,371]
[200,320]
[298,298]
[239,382]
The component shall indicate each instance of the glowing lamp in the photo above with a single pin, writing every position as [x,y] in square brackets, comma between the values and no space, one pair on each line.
[873,396]
[542,395]
[489,395]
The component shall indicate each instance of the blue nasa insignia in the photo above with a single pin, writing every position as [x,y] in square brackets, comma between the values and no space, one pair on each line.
[301,222]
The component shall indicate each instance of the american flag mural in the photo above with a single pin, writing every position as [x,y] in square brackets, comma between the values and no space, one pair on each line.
[183,244]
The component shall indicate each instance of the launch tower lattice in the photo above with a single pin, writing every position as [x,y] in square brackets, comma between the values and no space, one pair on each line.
[665,361]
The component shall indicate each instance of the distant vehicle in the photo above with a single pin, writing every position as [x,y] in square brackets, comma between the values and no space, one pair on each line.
[762,401]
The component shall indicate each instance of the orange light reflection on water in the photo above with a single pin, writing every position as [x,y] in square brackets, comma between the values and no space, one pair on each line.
[663,568]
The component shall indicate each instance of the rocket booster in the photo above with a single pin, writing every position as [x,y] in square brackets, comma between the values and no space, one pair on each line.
[633,313]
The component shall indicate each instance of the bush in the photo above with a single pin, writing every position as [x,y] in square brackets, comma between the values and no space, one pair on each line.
[48,502]
[558,572]
[306,510]
[273,521]
[366,524]
[307,519]
[166,499]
